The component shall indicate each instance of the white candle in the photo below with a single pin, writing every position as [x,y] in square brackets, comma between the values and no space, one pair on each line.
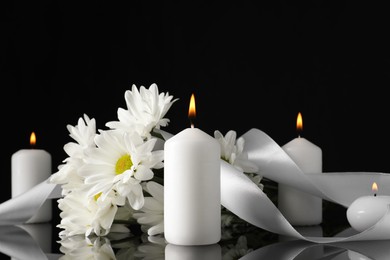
[192,191]
[299,208]
[366,211]
[30,167]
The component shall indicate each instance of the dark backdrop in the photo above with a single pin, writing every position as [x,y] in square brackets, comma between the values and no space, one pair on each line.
[251,64]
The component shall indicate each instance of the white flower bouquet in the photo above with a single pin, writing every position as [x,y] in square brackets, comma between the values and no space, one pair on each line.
[114,177]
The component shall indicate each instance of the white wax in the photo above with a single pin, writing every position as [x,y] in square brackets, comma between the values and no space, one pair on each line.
[299,208]
[192,188]
[365,211]
[30,167]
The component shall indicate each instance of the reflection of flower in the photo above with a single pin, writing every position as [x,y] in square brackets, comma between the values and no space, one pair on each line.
[113,247]
[77,247]
[151,249]
[236,251]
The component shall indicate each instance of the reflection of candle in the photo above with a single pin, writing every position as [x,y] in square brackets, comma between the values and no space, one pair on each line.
[206,252]
[30,167]
[192,199]
[365,211]
[298,207]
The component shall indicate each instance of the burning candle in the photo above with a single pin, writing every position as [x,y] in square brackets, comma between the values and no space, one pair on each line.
[192,191]
[30,167]
[300,208]
[365,211]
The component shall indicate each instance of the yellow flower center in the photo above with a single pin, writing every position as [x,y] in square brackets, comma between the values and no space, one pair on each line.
[124,163]
[225,159]
[96,197]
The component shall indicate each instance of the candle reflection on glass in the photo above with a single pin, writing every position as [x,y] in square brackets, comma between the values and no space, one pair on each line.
[205,252]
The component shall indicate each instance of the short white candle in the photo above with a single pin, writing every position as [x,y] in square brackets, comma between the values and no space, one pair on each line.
[366,211]
[299,208]
[192,191]
[30,167]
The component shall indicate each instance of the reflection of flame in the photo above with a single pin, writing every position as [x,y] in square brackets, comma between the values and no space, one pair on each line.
[374,187]
[192,110]
[33,139]
[299,122]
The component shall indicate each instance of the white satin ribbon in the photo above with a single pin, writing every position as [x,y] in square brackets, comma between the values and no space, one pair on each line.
[242,197]
[23,207]
[338,187]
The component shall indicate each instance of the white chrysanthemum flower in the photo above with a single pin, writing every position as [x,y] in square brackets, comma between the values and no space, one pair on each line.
[236,251]
[83,215]
[232,151]
[146,109]
[125,213]
[78,215]
[79,247]
[119,163]
[256,178]
[151,215]
[83,133]
[75,217]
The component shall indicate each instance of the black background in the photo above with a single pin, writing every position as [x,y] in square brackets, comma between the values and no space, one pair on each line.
[251,64]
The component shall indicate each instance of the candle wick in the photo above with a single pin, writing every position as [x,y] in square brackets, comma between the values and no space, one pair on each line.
[374,194]
[192,123]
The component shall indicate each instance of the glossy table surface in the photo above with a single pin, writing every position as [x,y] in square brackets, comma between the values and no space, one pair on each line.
[240,240]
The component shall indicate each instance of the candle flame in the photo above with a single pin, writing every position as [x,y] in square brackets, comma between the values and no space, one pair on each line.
[192,110]
[299,123]
[33,139]
[374,187]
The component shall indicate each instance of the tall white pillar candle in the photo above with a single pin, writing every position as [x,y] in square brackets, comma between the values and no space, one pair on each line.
[30,167]
[299,208]
[192,188]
